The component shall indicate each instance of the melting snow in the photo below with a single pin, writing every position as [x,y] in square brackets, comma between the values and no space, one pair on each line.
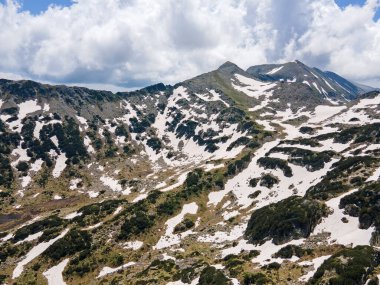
[117,211]
[72,215]
[323,112]
[316,263]
[94,226]
[179,282]
[375,176]
[212,96]
[25,108]
[60,165]
[30,237]
[368,103]
[21,154]
[74,183]
[54,274]
[135,245]
[169,239]
[254,88]
[93,194]
[37,165]
[108,270]
[140,197]
[8,236]
[221,237]
[306,82]
[273,71]
[266,250]
[87,142]
[229,215]
[166,256]
[39,126]
[33,253]
[83,121]
[25,180]
[343,233]
[46,107]
[266,124]
[239,185]
[111,183]
[180,180]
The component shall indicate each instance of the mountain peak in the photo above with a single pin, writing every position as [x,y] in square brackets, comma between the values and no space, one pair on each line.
[228,65]
[324,83]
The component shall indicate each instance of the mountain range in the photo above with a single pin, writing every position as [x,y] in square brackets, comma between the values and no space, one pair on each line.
[268,175]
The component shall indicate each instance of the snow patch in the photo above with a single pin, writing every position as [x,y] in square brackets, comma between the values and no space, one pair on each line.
[93,194]
[72,215]
[25,108]
[74,183]
[30,237]
[60,165]
[275,70]
[343,233]
[323,112]
[35,252]
[54,274]
[111,183]
[108,270]
[316,263]
[254,88]
[135,245]
[169,239]
[179,282]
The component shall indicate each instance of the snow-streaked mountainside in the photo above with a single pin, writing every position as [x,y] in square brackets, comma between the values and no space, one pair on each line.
[263,176]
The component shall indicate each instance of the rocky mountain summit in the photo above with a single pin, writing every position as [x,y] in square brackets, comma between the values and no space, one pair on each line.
[268,175]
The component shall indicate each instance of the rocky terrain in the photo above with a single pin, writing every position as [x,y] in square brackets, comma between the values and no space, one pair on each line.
[263,176]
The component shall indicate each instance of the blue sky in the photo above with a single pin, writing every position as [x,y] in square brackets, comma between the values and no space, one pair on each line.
[141,42]
[38,6]
[344,3]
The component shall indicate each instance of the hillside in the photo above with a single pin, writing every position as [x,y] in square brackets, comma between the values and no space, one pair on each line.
[268,175]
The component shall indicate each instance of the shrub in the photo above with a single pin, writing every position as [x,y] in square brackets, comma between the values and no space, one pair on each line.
[253,182]
[291,250]
[332,185]
[74,241]
[364,204]
[139,223]
[348,266]
[183,226]
[43,225]
[212,276]
[155,144]
[22,166]
[292,218]
[268,181]
[274,163]
[256,279]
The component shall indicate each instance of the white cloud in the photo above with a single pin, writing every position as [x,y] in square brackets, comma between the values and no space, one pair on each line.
[138,42]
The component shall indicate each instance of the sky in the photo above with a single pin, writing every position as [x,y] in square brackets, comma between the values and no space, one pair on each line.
[125,44]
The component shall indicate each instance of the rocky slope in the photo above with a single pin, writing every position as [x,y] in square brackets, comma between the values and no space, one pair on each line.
[264,176]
